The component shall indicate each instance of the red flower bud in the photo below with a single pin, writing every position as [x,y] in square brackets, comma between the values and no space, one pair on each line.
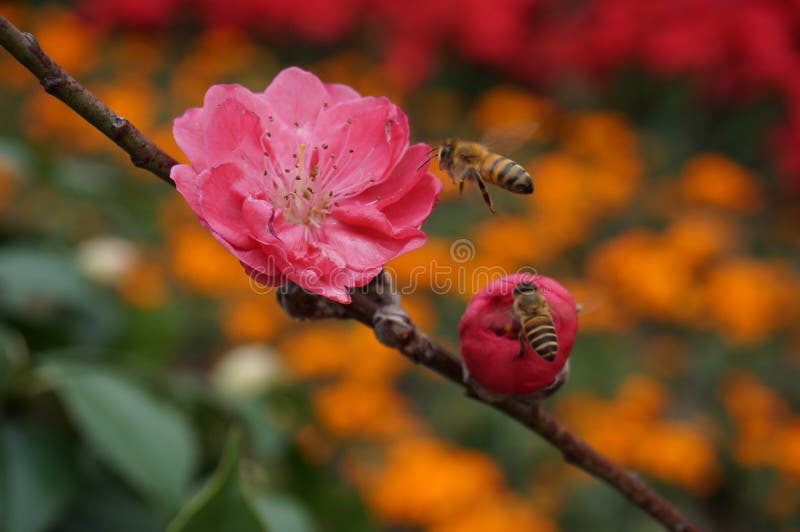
[490,338]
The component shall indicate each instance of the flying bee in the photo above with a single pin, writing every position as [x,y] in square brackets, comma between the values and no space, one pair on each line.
[465,160]
[536,323]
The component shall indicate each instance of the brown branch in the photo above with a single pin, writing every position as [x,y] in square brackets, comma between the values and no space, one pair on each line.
[376,308]
[57,82]
[394,328]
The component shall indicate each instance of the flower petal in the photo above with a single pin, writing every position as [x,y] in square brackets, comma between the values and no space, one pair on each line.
[403,178]
[297,96]
[190,133]
[364,245]
[185,178]
[339,92]
[415,206]
[365,139]
[222,192]
[233,134]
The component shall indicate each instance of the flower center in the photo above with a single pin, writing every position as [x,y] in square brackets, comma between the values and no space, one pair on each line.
[300,197]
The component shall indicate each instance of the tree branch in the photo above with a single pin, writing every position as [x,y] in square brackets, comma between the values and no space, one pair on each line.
[376,309]
[57,82]
[394,328]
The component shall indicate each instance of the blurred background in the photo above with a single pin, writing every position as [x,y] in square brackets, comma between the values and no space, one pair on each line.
[137,362]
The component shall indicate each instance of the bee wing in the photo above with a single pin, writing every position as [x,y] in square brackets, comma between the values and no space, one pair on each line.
[508,139]
[588,307]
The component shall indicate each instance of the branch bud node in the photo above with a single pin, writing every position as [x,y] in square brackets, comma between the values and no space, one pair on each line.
[301,304]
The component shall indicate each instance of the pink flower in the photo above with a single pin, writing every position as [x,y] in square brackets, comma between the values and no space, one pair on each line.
[490,338]
[305,182]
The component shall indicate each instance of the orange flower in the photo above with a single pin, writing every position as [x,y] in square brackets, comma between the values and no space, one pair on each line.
[506,110]
[133,98]
[367,410]
[757,413]
[641,398]
[430,267]
[631,430]
[360,72]
[73,44]
[607,139]
[253,318]
[598,311]
[504,242]
[503,512]
[428,482]
[420,309]
[650,278]
[679,453]
[144,285]
[217,54]
[347,350]
[749,299]
[787,447]
[202,264]
[701,237]
[45,118]
[712,179]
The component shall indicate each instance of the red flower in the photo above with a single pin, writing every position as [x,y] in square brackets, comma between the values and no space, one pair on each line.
[490,338]
[305,182]
[138,14]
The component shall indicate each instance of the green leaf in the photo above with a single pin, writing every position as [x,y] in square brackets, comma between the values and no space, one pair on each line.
[35,281]
[146,441]
[282,513]
[223,503]
[45,287]
[37,479]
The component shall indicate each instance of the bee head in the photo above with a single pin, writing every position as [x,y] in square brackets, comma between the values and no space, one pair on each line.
[446,155]
[525,288]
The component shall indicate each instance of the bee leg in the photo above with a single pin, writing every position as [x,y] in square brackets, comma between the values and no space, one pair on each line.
[486,197]
[460,188]
[523,345]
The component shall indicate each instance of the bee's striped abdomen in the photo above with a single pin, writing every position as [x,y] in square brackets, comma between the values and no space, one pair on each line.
[541,335]
[507,174]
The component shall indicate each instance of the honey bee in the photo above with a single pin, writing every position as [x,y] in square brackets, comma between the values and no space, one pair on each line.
[536,323]
[464,160]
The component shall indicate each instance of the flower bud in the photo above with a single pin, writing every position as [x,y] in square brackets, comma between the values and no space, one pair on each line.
[490,334]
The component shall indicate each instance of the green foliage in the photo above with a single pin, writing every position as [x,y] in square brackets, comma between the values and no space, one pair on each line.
[34,466]
[222,504]
[146,441]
